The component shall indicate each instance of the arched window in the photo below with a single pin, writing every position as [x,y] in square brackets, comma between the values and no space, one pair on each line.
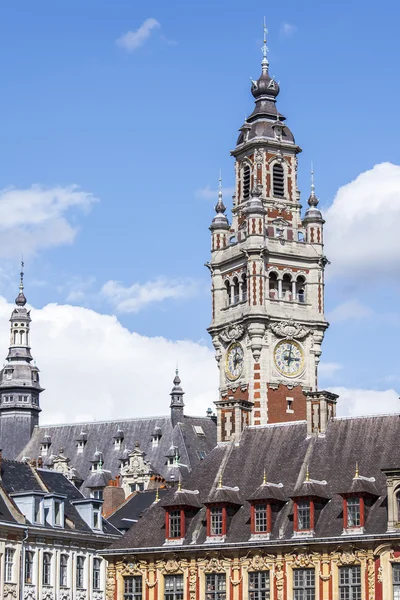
[301,289]
[236,296]
[15,336]
[273,285]
[46,568]
[21,337]
[63,570]
[246,182]
[287,287]
[228,292]
[244,288]
[278,181]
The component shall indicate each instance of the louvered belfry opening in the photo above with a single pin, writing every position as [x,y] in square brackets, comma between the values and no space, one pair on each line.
[246,183]
[278,181]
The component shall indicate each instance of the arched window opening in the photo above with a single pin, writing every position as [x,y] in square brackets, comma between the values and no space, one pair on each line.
[273,285]
[21,337]
[278,180]
[244,288]
[236,296]
[228,293]
[287,287]
[301,289]
[15,336]
[246,182]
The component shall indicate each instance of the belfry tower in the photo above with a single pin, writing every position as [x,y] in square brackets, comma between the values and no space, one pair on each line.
[19,383]
[267,271]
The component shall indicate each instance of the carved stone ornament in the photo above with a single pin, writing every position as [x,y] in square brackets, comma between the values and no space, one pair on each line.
[259,156]
[393,558]
[280,580]
[232,333]
[380,575]
[214,565]
[110,582]
[97,596]
[65,595]
[10,590]
[290,330]
[192,582]
[47,594]
[81,596]
[172,565]
[371,578]
[130,567]
[303,559]
[29,592]
[348,558]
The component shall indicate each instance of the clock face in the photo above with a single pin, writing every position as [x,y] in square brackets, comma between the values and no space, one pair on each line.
[234,361]
[289,358]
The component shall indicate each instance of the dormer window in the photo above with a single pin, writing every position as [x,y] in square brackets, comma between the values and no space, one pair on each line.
[38,508]
[260,519]
[216,521]
[354,516]
[304,515]
[80,445]
[175,524]
[96,519]
[57,513]
[97,493]
[8,373]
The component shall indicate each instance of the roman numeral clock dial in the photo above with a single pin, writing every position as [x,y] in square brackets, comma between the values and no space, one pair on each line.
[289,358]
[234,361]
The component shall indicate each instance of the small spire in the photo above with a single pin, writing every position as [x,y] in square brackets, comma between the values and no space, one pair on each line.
[220,481]
[307,475]
[313,200]
[220,206]
[20,300]
[179,485]
[357,473]
[157,496]
[265,478]
[264,62]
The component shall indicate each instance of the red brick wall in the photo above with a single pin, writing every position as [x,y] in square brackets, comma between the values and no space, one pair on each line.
[277,404]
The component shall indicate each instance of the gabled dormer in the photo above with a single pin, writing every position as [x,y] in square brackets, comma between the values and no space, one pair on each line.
[137,472]
[89,510]
[179,510]
[118,438]
[222,504]
[41,508]
[308,501]
[357,500]
[265,503]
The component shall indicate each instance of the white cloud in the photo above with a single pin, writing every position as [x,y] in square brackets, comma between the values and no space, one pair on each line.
[208,193]
[354,402]
[288,29]
[361,232]
[328,370]
[94,368]
[132,40]
[350,310]
[132,299]
[37,217]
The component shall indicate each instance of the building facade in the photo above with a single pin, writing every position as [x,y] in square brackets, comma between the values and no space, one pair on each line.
[267,272]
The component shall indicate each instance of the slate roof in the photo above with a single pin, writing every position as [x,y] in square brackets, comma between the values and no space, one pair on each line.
[285,452]
[133,508]
[20,477]
[100,436]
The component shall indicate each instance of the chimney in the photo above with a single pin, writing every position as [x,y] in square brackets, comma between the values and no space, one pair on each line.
[1,463]
[321,406]
[113,497]
[40,462]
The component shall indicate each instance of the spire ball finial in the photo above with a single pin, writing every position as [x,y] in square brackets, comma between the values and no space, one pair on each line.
[313,200]
[307,474]
[220,481]
[357,473]
[265,478]
[20,300]
[220,207]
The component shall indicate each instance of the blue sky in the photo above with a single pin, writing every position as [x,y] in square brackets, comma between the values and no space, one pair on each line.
[142,131]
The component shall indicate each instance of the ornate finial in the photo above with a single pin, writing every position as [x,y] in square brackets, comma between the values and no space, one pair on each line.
[220,206]
[220,481]
[265,478]
[357,473]
[20,300]
[264,62]
[308,475]
[157,496]
[179,485]
[313,200]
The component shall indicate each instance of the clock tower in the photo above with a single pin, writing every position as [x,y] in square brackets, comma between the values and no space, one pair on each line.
[267,270]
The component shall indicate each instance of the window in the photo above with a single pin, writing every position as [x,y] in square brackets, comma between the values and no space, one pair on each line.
[174,524]
[228,292]
[216,521]
[350,583]
[287,287]
[173,586]
[260,518]
[8,373]
[300,289]
[57,513]
[259,586]
[236,296]
[80,571]
[96,573]
[273,285]
[133,588]
[303,584]
[63,570]
[244,288]
[278,180]
[38,511]
[396,581]
[215,586]
[28,566]
[353,512]
[46,568]
[201,454]
[98,494]
[198,430]
[96,519]
[9,565]
[246,182]
[303,515]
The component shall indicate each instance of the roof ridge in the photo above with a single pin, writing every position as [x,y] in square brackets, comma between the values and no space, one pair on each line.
[283,424]
[349,417]
[80,423]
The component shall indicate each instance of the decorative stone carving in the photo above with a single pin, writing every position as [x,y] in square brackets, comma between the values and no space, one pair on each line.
[304,560]
[65,594]
[10,591]
[214,565]
[380,575]
[47,594]
[137,471]
[393,558]
[280,580]
[133,567]
[81,595]
[232,333]
[110,582]
[172,565]
[192,582]
[29,592]
[97,596]
[259,156]
[371,578]
[290,330]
